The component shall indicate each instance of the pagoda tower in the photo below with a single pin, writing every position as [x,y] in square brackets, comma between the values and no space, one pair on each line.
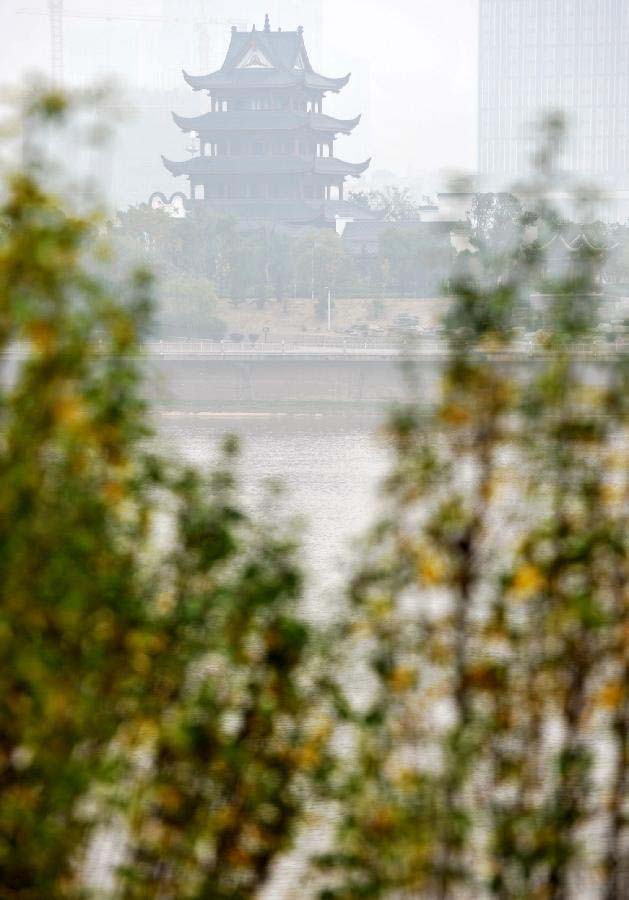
[266,148]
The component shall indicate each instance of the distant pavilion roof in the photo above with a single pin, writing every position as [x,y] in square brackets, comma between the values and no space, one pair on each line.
[264,165]
[574,240]
[265,120]
[266,59]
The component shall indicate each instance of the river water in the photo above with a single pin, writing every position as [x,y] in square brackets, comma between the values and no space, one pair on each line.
[330,463]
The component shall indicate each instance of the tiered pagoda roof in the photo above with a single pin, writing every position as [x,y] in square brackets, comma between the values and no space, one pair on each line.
[261,165]
[283,62]
[273,120]
[242,78]
[266,147]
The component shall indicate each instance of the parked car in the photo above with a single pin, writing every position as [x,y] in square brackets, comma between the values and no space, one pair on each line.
[405,323]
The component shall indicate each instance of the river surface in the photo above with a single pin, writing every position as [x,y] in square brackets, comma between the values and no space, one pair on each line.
[330,463]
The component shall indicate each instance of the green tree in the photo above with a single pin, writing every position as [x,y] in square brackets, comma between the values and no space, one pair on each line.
[412,260]
[281,265]
[198,244]
[186,304]
[393,203]
[322,264]
[152,232]
[398,258]
[496,222]
[617,263]
[241,266]
[154,670]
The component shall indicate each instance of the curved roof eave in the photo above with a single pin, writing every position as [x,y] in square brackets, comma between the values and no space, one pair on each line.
[184,122]
[340,126]
[313,79]
[332,166]
[196,82]
[360,168]
[264,121]
[205,165]
[202,166]
[173,167]
[284,77]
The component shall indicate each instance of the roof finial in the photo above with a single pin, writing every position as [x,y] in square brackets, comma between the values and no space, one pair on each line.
[234,29]
[300,30]
[254,27]
[267,23]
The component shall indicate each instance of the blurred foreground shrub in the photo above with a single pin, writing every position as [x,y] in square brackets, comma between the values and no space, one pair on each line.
[489,617]
[149,641]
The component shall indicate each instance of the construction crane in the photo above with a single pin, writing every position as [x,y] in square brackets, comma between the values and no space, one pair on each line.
[55,11]
[57,14]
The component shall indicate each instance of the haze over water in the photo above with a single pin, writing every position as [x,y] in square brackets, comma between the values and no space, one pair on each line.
[330,464]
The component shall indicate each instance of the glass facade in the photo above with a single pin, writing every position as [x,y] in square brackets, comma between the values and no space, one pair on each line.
[537,56]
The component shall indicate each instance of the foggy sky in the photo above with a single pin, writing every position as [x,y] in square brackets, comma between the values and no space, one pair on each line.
[422,65]
[413,66]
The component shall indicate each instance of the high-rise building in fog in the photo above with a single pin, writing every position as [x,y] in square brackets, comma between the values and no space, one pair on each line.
[541,55]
